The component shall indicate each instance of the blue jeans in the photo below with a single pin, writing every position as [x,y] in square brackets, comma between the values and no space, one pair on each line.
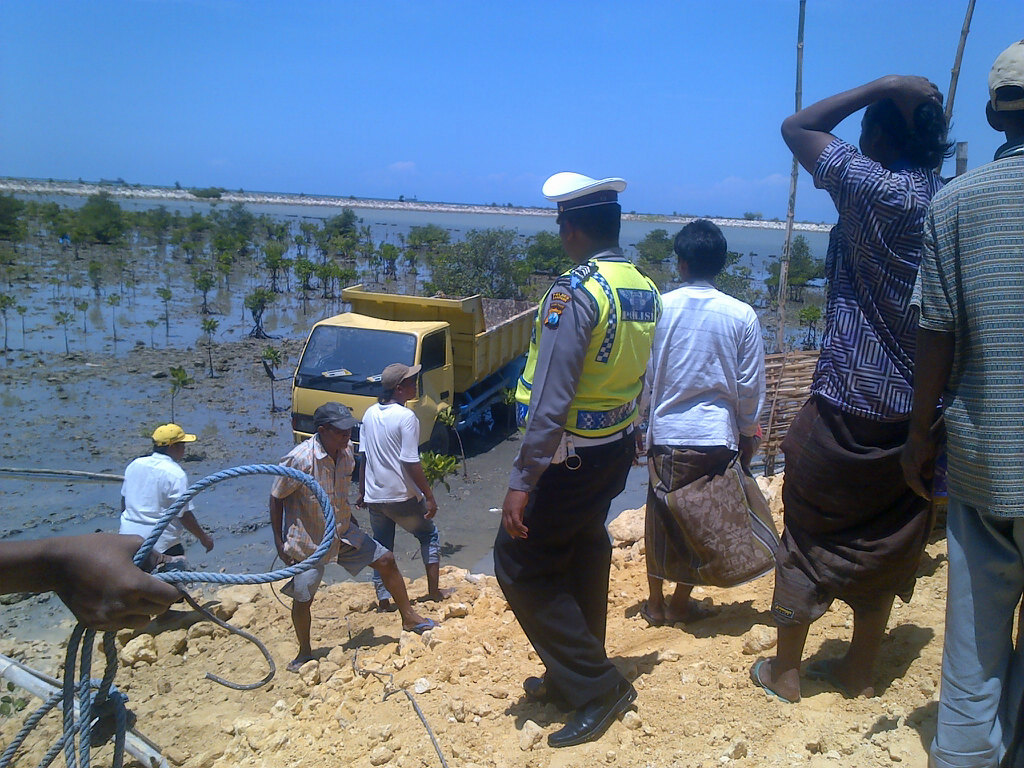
[982,673]
[409,515]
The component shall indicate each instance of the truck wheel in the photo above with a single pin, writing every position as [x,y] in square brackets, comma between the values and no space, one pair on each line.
[440,438]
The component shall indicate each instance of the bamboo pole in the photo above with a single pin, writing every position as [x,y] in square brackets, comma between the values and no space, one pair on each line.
[954,76]
[955,72]
[794,175]
[62,473]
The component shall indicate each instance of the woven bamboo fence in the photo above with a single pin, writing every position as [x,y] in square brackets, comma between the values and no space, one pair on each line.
[787,386]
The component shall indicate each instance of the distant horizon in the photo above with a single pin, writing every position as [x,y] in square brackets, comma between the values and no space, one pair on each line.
[8,185]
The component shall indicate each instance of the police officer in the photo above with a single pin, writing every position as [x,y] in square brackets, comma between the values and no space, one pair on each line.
[577,396]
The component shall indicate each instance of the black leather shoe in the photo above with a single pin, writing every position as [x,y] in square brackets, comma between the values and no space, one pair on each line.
[593,719]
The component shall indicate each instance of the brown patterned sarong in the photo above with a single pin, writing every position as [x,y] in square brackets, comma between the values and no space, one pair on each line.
[854,530]
[699,526]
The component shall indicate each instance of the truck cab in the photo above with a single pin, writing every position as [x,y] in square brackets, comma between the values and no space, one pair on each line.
[471,351]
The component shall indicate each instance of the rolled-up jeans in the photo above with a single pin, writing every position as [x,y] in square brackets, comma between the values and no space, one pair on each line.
[982,672]
[409,515]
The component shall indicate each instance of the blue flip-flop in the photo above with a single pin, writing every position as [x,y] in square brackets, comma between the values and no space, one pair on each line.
[755,676]
[424,626]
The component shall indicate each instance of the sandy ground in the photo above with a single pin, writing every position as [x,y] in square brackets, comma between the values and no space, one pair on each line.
[696,705]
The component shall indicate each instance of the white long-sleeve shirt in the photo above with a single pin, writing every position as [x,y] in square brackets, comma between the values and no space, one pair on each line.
[705,379]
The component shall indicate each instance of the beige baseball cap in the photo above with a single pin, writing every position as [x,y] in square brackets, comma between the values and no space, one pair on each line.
[1008,70]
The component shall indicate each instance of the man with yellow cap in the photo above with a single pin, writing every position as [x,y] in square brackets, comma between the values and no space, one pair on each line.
[577,397]
[152,484]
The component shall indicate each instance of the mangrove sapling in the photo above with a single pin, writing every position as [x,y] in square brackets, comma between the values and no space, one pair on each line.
[437,467]
[271,360]
[95,276]
[447,417]
[83,306]
[179,380]
[21,309]
[63,319]
[209,325]
[275,262]
[204,282]
[152,326]
[6,303]
[165,294]
[257,303]
[114,301]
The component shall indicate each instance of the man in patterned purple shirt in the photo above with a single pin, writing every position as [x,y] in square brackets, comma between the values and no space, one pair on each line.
[854,530]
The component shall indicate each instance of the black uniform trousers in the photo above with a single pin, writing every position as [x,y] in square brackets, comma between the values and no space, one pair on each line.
[556,580]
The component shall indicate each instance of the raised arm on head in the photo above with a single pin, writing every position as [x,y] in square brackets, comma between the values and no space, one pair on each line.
[809,131]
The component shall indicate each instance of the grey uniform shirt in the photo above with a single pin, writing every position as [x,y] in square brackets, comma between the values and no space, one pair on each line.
[561,351]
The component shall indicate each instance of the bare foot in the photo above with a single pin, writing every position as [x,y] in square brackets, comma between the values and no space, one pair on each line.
[296,664]
[695,611]
[786,686]
[440,595]
[834,672]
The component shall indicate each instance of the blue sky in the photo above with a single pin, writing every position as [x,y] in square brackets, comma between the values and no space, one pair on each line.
[472,102]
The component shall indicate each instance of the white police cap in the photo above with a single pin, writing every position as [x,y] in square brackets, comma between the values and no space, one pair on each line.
[574,190]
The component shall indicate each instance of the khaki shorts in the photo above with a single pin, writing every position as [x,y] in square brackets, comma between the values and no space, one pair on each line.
[356,552]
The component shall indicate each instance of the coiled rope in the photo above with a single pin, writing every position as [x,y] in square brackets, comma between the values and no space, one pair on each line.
[102,713]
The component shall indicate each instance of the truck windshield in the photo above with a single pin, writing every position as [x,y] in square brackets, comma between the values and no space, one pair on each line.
[349,360]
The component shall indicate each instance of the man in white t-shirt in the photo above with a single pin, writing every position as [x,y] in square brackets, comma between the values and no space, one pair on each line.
[152,484]
[391,479]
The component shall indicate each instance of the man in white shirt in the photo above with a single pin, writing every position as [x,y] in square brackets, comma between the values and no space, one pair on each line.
[391,479]
[705,387]
[152,484]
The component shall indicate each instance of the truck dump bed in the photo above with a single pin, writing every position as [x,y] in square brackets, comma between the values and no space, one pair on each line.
[486,333]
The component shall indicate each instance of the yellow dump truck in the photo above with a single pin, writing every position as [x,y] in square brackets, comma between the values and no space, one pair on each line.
[471,350]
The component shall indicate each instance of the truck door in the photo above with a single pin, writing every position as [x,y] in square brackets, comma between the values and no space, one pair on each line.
[437,377]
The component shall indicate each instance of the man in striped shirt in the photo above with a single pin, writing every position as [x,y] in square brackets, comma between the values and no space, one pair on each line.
[970,352]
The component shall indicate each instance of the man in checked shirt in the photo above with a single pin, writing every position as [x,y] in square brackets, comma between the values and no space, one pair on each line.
[298,525]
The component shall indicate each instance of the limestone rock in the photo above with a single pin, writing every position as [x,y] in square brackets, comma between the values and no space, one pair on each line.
[530,736]
[141,650]
[225,609]
[240,593]
[410,645]
[381,755]
[327,669]
[739,750]
[760,638]
[309,672]
[422,685]
[244,615]
[458,709]
[173,643]
[362,604]
[201,629]
[456,611]
[632,720]
[176,755]
[628,527]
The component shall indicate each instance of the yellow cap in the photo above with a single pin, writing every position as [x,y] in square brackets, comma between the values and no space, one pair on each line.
[169,434]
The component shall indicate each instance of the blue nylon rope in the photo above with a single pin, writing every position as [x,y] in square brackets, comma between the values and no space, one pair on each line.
[100,700]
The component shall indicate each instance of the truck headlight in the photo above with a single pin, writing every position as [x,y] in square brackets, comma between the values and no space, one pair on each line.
[302,422]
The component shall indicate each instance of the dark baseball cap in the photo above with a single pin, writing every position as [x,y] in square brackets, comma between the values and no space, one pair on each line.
[334,415]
